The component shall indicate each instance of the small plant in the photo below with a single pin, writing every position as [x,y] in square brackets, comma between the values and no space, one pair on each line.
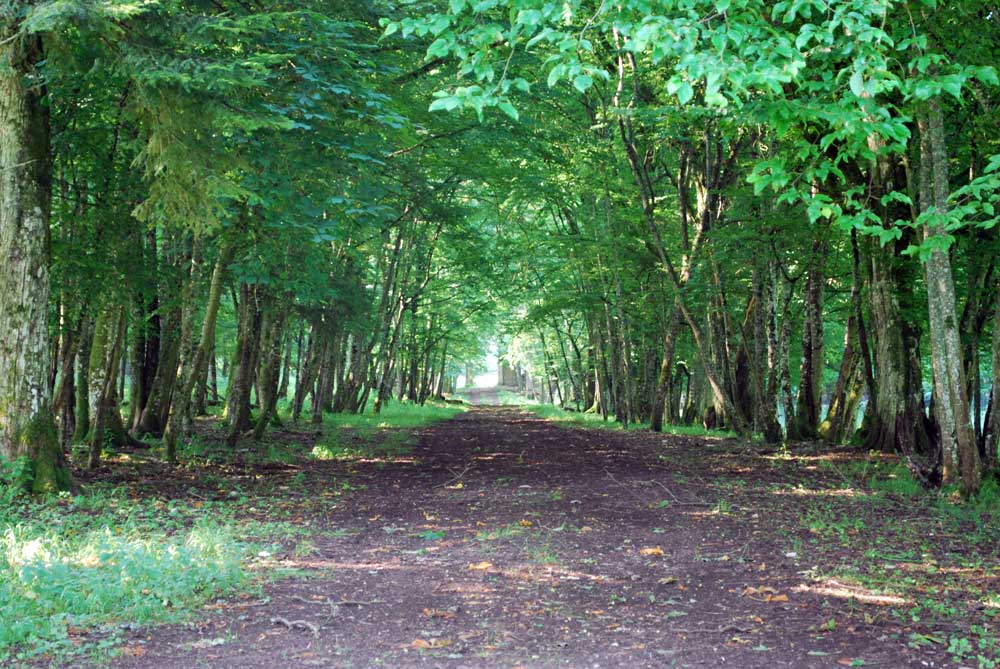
[14,476]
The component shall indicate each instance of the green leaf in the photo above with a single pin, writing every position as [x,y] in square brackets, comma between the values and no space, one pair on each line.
[857,83]
[510,110]
[684,92]
[446,103]
[555,74]
[582,82]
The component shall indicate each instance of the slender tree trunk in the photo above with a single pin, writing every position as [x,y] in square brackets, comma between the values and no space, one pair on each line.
[272,334]
[665,378]
[108,430]
[244,364]
[82,428]
[960,455]
[841,416]
[195,370]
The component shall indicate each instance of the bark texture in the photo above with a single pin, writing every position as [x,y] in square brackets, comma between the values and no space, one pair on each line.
[27,424]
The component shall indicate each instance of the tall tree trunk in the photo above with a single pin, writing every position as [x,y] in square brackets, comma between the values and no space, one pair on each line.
[665,378]
[27,424]
[82,428]
[841,415]
[960,455]
[809,400]
[896,422]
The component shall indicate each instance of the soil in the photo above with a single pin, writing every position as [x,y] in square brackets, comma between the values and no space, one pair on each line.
[503,540]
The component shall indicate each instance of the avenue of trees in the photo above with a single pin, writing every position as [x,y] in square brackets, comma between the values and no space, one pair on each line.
[775,218]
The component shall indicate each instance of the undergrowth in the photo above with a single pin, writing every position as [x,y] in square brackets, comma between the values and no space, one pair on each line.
[94,562]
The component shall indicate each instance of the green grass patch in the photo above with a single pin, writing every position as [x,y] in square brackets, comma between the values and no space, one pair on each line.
[580,419]
[103,561]
[387,434]
[395,415]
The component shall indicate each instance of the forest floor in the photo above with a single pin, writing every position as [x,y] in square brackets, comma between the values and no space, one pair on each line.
[497,539]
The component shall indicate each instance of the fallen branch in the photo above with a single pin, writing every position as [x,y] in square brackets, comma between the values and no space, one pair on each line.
[295,624]
[456,477]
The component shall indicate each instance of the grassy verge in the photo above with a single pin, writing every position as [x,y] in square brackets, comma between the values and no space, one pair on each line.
[579,419]
[384,435]
[933,551]
[102,561]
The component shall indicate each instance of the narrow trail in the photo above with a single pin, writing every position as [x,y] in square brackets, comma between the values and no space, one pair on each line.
[504,541]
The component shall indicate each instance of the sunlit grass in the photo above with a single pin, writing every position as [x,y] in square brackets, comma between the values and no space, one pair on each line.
[386,435]
[103,561]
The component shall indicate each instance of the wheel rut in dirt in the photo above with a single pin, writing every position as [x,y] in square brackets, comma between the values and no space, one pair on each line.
[504,540]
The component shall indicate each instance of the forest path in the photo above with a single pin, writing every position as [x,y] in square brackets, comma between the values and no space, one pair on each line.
[504,540]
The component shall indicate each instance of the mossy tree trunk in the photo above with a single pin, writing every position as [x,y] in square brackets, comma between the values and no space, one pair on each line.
[244,365]
[27,424]
[991,432]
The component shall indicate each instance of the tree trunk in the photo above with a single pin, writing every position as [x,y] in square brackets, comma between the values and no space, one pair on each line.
[960,455]
[272,331]
[244,364]
[82,428]
[991,433]
[27,424]
[841,416]
[109,340]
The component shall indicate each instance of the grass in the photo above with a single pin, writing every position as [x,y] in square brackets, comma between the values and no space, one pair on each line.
[579,419]
[385,435]
[101,561]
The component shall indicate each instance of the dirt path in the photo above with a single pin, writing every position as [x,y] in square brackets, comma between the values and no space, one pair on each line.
[506,541]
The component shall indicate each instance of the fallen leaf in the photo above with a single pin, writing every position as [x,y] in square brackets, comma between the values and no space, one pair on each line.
[776,598]
[481,566]
[750,591]
[134,651]
[457,486]
[423,644]
[651,551]
[438,613]
[667,580]
[524,523]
